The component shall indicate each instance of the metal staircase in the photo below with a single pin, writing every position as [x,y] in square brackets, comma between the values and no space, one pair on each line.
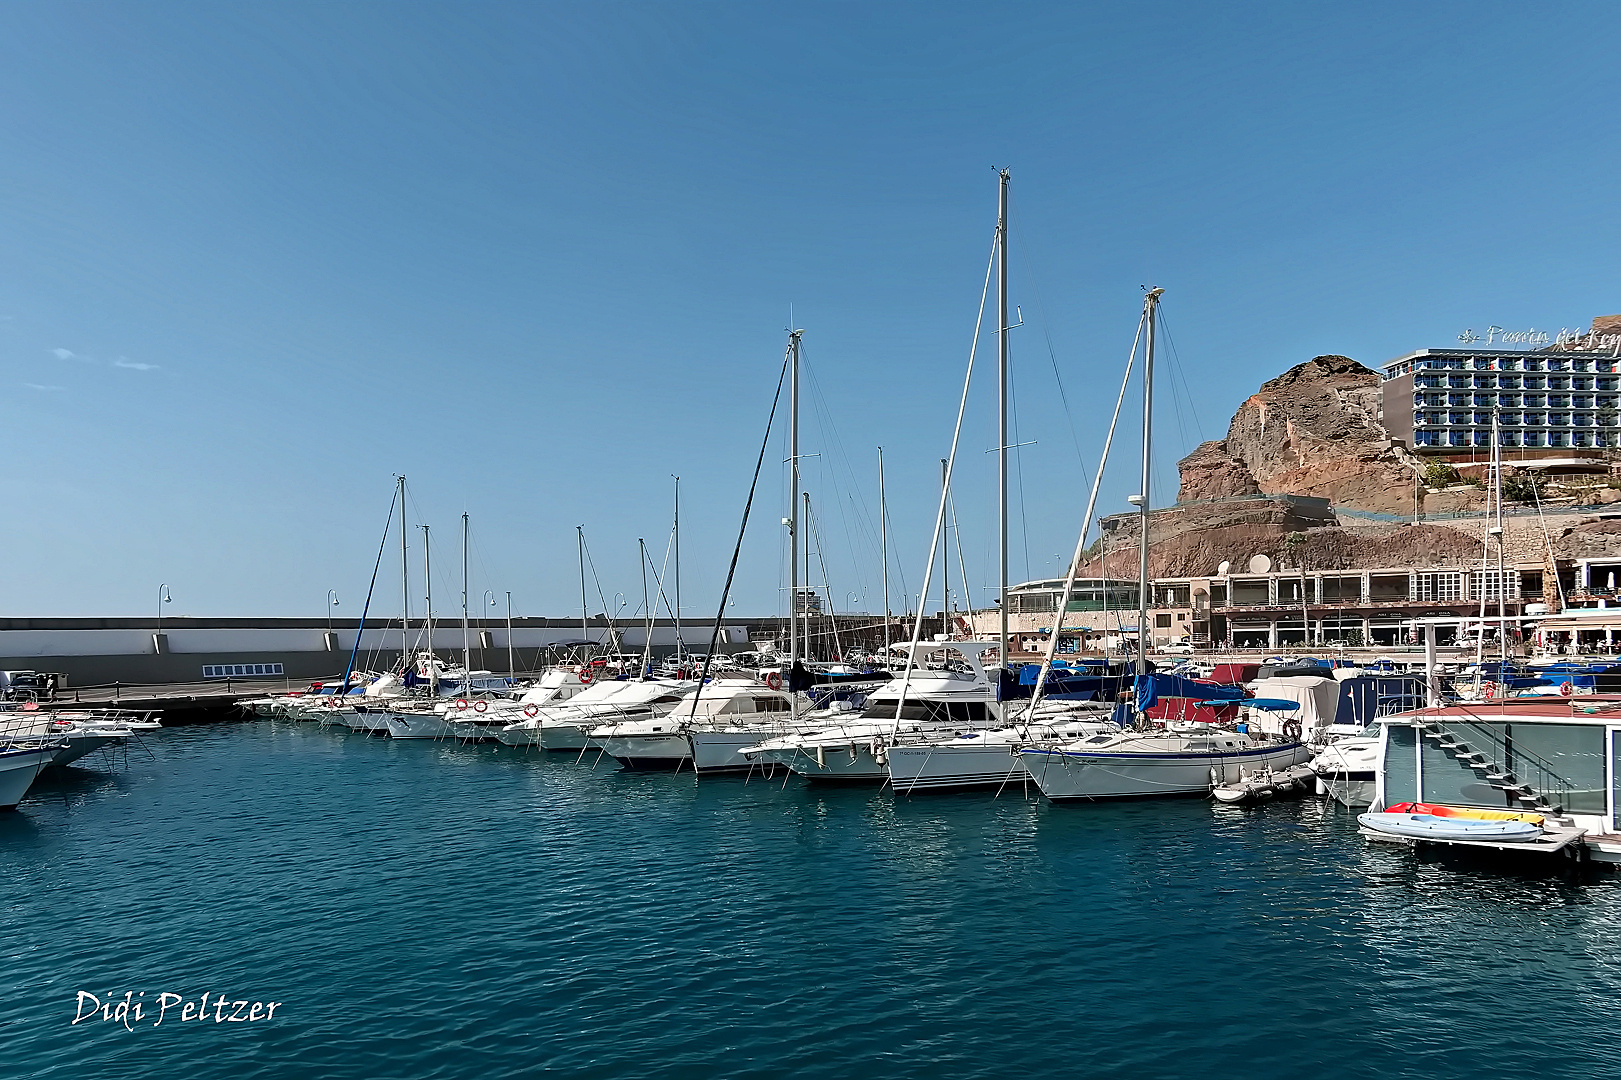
[1532,782]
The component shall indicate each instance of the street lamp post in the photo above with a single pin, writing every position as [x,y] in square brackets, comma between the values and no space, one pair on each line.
[163,598]
[331,602]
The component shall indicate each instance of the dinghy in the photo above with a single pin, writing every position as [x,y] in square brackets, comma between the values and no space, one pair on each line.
[1266,785]
[1430,827]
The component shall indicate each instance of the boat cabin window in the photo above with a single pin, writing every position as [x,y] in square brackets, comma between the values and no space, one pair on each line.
[1199,744]
[961,712]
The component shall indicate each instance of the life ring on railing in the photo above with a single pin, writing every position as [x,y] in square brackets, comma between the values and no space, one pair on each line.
[585,677]
[1566,689]
[1488,691]
[774,680]
[1291,729]
[531,710]
[461,703]
[480,706]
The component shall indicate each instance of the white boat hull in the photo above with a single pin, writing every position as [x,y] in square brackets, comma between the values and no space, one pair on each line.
[649,751]
[573,737]
[80,743]
[417,726]
[18,768]
[848,763]
[1077,774]
[954,767]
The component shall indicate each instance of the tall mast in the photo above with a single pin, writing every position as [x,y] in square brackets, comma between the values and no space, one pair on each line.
[405,586]
[793,502]
[1001,419]
[945,552]
[647,643]
[1150,303]
[585,633]
[883,546]
[467,657]
[679,642]
[427,620]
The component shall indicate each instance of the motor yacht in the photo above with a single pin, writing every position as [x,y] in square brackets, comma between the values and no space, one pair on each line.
[667,741]
[565,727]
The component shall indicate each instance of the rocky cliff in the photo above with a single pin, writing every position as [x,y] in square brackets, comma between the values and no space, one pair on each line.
[1313,430]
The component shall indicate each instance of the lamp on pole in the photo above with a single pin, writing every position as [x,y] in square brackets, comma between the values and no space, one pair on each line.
[163,598]
[331,602]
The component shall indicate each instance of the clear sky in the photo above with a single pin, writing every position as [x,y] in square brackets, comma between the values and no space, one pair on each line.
[257,259]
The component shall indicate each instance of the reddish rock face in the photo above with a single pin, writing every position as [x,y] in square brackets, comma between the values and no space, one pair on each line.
[1209,473]
[1311,431]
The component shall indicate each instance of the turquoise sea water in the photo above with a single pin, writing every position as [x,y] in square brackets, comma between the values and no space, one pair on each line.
[431,910]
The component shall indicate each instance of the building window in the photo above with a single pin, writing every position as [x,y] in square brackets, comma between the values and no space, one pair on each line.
[1556,438]
[1494,583]
[1162,622]
[227,671]
[1440,588]
[1426,438]
[1533,438]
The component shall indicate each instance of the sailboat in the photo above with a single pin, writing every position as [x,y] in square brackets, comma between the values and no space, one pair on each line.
[1141,762]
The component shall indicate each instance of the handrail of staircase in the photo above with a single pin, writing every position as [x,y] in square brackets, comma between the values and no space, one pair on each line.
[1550,782]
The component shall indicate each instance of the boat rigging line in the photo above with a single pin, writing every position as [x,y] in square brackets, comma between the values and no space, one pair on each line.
[1080,543]
[731,571]
[349,671]
[945,488]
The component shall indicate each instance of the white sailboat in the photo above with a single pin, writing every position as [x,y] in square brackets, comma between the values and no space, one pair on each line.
[1189,759]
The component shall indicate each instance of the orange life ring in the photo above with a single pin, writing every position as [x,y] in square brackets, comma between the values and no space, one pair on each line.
[480,706]
[1565,689]
[531,710]
[774,680]
[1488,691]
[461,703]
[585,677]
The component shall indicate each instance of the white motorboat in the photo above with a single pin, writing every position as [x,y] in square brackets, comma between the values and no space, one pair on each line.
[945,701]
[667,741]
[566,727]
[484,718]
[1131,764]
[1430,827]
[20,764]
[77,732]
[1347,769]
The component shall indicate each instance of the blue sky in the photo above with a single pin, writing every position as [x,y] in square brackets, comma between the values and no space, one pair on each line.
[257,259]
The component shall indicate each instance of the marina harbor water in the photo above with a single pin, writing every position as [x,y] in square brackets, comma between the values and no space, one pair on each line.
[484,910]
